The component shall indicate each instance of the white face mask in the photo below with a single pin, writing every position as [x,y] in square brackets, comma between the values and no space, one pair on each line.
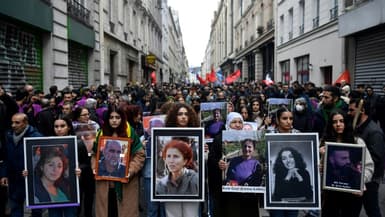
[299,108]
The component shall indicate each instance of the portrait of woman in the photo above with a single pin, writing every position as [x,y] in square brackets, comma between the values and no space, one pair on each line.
[183,116]
[292,180]
[245,169]
[181,178]
[50,183]
[289,179]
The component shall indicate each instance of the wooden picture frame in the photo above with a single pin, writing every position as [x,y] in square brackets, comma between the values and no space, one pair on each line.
[112,159]
[47,159]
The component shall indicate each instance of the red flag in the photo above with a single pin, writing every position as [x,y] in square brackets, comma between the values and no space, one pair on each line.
[212,76]
[268,80]
[233,77]
[344,77]
[201,80]
[153,77]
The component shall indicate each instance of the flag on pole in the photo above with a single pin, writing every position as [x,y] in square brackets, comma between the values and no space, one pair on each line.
[344,77]
[153,77]
[268,80]
[219,76]
[201,80]
[233,77]
[212,77]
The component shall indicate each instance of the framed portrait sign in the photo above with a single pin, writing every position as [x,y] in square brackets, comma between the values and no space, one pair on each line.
[51,163]
[213,118]
[177,164]
[293,177]
[112,157]
[273,104]
[343,167]
[246,166]
[86,133]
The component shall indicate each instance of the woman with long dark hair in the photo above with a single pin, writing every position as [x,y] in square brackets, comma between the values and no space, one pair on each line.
[292,180]
[114,198]
[182,115]
[342,204]
[284,124]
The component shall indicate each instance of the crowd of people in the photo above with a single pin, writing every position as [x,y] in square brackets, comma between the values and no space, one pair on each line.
[338,113]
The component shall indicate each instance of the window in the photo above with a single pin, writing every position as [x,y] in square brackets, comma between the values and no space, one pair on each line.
[282,27]
[316,13]
[290,21]
[334,10]
[302,69]
[301,17]
[285,69]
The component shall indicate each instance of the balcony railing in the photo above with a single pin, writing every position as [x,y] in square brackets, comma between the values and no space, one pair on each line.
[270,24]
[290,35]
[333,13]
[351,4]
[316,22]
[79,12]
[112,27]
[301,29]
[260,30]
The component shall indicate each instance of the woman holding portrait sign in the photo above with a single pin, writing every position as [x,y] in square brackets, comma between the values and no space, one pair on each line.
[181,115]
[236,204]
[338,203]
[50,180]
[114,198]
[284,124]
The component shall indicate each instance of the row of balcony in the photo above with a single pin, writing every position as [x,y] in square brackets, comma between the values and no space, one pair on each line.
[78,12]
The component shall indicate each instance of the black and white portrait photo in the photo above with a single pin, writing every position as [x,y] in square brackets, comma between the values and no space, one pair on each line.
[293,178]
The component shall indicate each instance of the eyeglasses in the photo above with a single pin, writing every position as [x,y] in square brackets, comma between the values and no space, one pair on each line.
[87,114]
[351,110]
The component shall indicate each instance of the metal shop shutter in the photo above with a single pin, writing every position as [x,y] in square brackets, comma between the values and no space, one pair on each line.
[20,57]
[77,65]
[370,58]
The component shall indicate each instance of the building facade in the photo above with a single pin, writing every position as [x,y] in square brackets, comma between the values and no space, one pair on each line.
[131,38]
[308,46]
[175,65]
[57,45]
[362,24]
[242,37]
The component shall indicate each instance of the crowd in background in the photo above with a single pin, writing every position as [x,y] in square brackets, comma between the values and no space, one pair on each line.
[92,104]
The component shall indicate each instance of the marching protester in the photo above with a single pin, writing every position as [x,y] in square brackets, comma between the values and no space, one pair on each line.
[181,103]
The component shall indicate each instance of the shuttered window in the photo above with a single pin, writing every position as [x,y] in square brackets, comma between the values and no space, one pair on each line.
[20,57]
[77,65]
[370,59]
